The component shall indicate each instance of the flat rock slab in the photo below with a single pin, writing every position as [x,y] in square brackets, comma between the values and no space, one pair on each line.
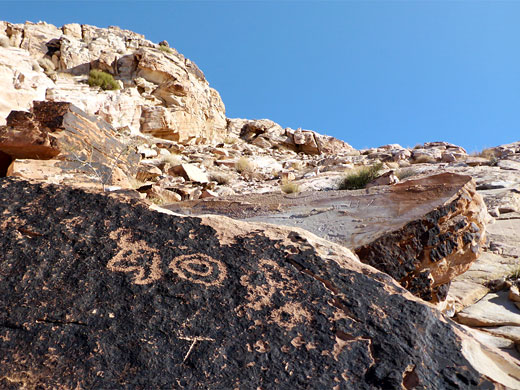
[101,293]
[510,332]
[470,287]
[495,309]
[421,232]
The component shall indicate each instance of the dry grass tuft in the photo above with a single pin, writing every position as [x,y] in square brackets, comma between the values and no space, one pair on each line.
[244,165]
[220,177]
[290,187]
[360,177]
[165,49]
[172,159]
[406,173]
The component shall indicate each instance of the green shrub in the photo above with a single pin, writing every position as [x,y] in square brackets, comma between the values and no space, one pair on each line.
[165,49]
[360,177]
[98,78]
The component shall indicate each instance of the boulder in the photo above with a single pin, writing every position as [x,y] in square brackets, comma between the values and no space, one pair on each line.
[421,232]
[190,172]
[59,130]
[265,133]
[193,111]
[90,298]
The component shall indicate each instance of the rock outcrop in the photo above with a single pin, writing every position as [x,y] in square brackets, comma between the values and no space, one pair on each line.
[21,81]
[268,134]
[162,93]
[62,132]
[423,232]
[100,292]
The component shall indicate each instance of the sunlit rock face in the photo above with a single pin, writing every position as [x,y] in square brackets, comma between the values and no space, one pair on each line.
[72,144]
[162,93]
[423,232]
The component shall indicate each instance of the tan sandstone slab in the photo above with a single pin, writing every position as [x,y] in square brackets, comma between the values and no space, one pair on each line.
[469,287]
[421,232]
[495,309]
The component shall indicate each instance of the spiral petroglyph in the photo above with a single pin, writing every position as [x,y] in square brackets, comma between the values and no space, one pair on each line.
[199,268]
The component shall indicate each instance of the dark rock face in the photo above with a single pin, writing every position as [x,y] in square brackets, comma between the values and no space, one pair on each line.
[99,293]
[421,232]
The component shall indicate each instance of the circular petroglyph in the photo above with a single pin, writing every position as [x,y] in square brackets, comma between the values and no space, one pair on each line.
[199,268]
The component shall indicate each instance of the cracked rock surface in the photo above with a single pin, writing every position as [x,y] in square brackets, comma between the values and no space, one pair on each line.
[422,232]
[101,292]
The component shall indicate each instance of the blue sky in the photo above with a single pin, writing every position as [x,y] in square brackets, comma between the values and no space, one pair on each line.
[367,72]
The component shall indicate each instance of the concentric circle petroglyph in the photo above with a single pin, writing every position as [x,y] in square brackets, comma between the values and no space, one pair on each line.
[199,268]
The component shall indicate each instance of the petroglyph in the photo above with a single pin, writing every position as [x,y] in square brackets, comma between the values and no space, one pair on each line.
[131,259]
[260,296]
[199,268]
[136,256]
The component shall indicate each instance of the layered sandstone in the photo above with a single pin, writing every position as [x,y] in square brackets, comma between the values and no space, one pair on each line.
[61,131]
[162,92]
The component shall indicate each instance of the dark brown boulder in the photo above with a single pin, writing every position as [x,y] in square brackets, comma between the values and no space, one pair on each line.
[102,293]
[421,232]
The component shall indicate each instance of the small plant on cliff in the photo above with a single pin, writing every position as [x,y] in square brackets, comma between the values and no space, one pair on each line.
[165,49]
[220,177]
[489,154]
[360,177]
[406,173]
[98,78]
[515,274]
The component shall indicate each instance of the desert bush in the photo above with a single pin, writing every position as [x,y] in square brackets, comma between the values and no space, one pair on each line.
[135,183]
[229,140]
[220,177]
[360,177]
[423,159]
[290,187]
[406,173]
[489,154]
[244,165]
[98,78]
[172,159]
[4,41]
[165,49]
